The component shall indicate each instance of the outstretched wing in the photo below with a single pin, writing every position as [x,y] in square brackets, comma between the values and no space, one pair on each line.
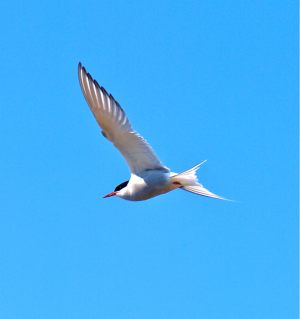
[116,127]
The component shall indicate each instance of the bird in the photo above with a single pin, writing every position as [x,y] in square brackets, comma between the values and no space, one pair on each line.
[149,177]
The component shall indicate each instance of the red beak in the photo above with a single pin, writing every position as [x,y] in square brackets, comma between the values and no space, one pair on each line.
[110,194]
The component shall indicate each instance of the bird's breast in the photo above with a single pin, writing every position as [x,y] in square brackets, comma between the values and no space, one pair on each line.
[148,184]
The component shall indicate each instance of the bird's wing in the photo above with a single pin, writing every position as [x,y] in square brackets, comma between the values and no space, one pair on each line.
[116,127]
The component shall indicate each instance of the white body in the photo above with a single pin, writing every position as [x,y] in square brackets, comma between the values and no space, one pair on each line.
[148,184]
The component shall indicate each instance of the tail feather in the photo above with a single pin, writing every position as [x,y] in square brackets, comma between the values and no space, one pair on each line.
[193,170]
[200,190]
[189,182]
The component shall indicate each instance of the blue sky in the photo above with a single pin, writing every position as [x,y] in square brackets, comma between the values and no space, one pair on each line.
[215,80]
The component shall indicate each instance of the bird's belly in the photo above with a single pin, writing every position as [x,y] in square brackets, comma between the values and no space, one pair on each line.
[147,193]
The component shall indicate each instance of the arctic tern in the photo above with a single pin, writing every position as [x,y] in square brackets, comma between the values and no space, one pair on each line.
[149,177]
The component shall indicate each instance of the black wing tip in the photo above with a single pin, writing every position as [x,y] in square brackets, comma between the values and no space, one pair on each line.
[89,77]
[103,90]
[81,67]
[97,84]
[104,134]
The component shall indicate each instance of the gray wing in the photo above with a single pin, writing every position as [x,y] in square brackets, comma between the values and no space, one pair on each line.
[116,127]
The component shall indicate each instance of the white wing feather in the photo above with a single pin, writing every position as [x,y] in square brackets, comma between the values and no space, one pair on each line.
[116,127]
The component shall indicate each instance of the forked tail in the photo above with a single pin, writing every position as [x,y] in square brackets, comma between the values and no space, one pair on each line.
[189,182]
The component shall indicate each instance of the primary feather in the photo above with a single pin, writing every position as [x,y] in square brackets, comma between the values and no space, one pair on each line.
[116,127]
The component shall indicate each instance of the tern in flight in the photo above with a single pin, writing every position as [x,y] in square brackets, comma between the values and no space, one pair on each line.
[149,177]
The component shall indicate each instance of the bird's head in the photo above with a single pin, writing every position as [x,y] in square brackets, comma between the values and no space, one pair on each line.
[118,190]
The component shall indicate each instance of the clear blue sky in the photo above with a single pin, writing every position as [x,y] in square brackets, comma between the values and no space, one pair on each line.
[215,80]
